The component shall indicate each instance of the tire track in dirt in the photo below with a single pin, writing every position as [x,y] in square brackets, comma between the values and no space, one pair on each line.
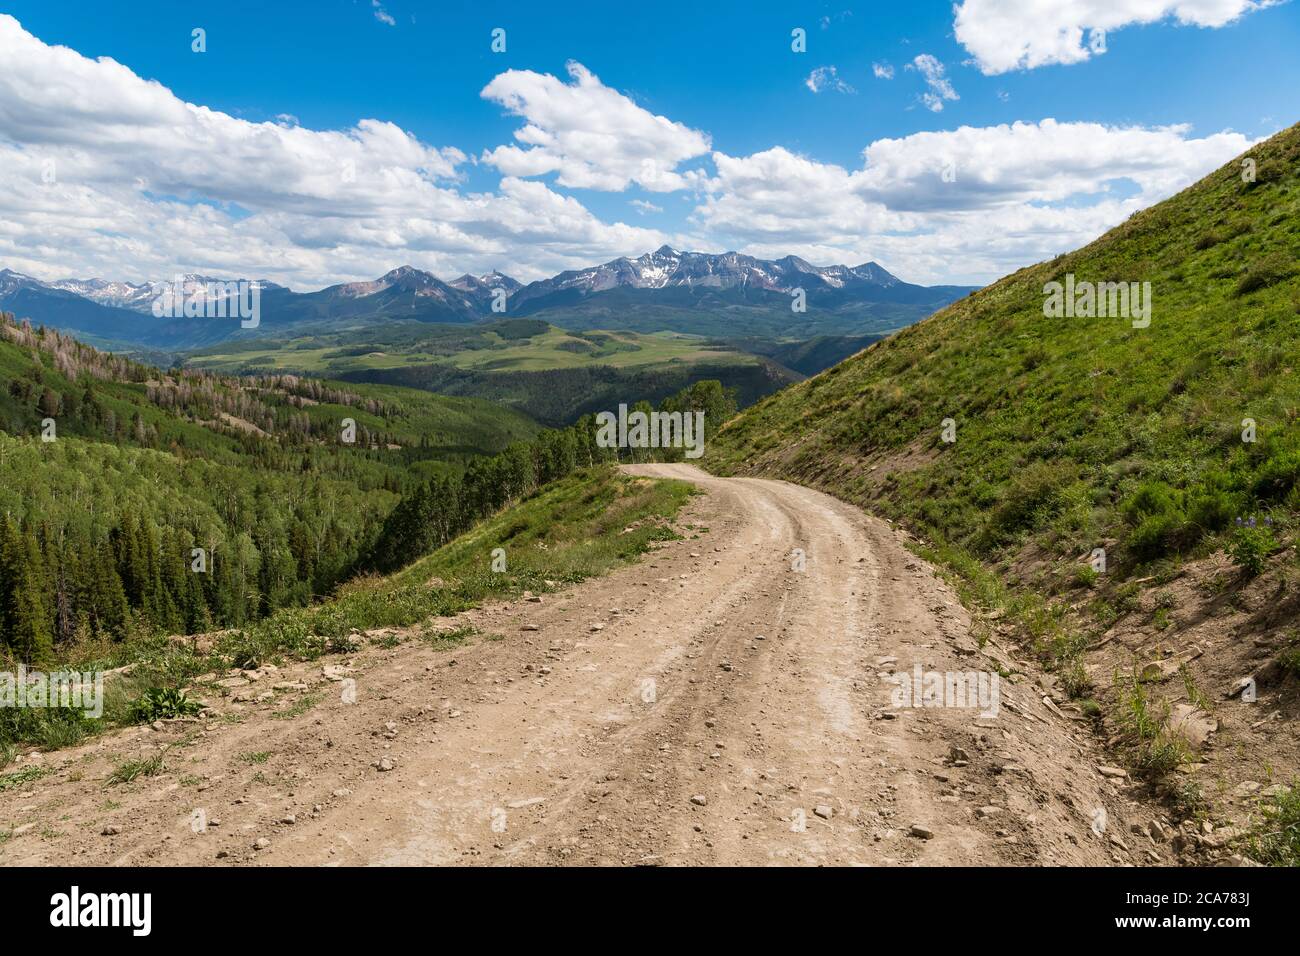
[766,713]
[710,704]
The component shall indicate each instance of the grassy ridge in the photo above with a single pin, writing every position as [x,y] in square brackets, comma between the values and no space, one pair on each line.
[1079,433]
[226,419]
[1072,432]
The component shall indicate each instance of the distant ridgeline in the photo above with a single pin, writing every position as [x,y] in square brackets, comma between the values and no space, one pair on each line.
[135,501]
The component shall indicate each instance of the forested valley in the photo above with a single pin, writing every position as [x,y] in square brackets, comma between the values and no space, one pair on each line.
[136,501]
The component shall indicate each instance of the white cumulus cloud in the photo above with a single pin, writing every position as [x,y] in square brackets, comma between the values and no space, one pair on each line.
[965,205]
[103,172]
[591,136]
[1004,35]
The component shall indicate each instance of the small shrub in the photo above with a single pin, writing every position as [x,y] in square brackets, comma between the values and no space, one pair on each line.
[1074,679]
[1189,800]
[162,704]
[1033,495]
[1153,750]
[1275,478]
[1151,498]
[1250,547]
[1289,658]
[1085,575]
[1211,510]
[1157,536]
[243,652]
[1268,271]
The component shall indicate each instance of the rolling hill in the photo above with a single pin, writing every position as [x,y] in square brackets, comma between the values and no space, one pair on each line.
[553,375]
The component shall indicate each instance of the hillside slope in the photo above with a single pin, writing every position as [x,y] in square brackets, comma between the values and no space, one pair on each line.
[1059,422]
[1076,434]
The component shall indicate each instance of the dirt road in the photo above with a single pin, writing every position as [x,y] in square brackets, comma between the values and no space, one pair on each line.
[718,703]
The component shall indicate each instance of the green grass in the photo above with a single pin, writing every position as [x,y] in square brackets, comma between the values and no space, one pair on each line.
[1275,840]
[298,707]
[475,348]
[130,770]
[570,531]
[11,781]
[445,640]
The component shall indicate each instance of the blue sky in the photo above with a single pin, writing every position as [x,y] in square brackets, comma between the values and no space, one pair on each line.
[725,73]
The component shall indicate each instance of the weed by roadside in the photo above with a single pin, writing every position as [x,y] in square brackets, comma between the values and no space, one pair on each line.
[129,770]
[11,781]
[1150,747]
[1275,840]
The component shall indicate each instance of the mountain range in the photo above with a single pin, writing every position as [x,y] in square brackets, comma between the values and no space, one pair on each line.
[692,292]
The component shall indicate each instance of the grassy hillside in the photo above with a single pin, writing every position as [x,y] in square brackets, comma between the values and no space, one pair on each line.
[521,345]
[553,375]
[96,395]
[1073,434]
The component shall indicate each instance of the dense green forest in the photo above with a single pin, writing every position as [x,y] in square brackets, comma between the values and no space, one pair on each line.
[135,501]
[112,473]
